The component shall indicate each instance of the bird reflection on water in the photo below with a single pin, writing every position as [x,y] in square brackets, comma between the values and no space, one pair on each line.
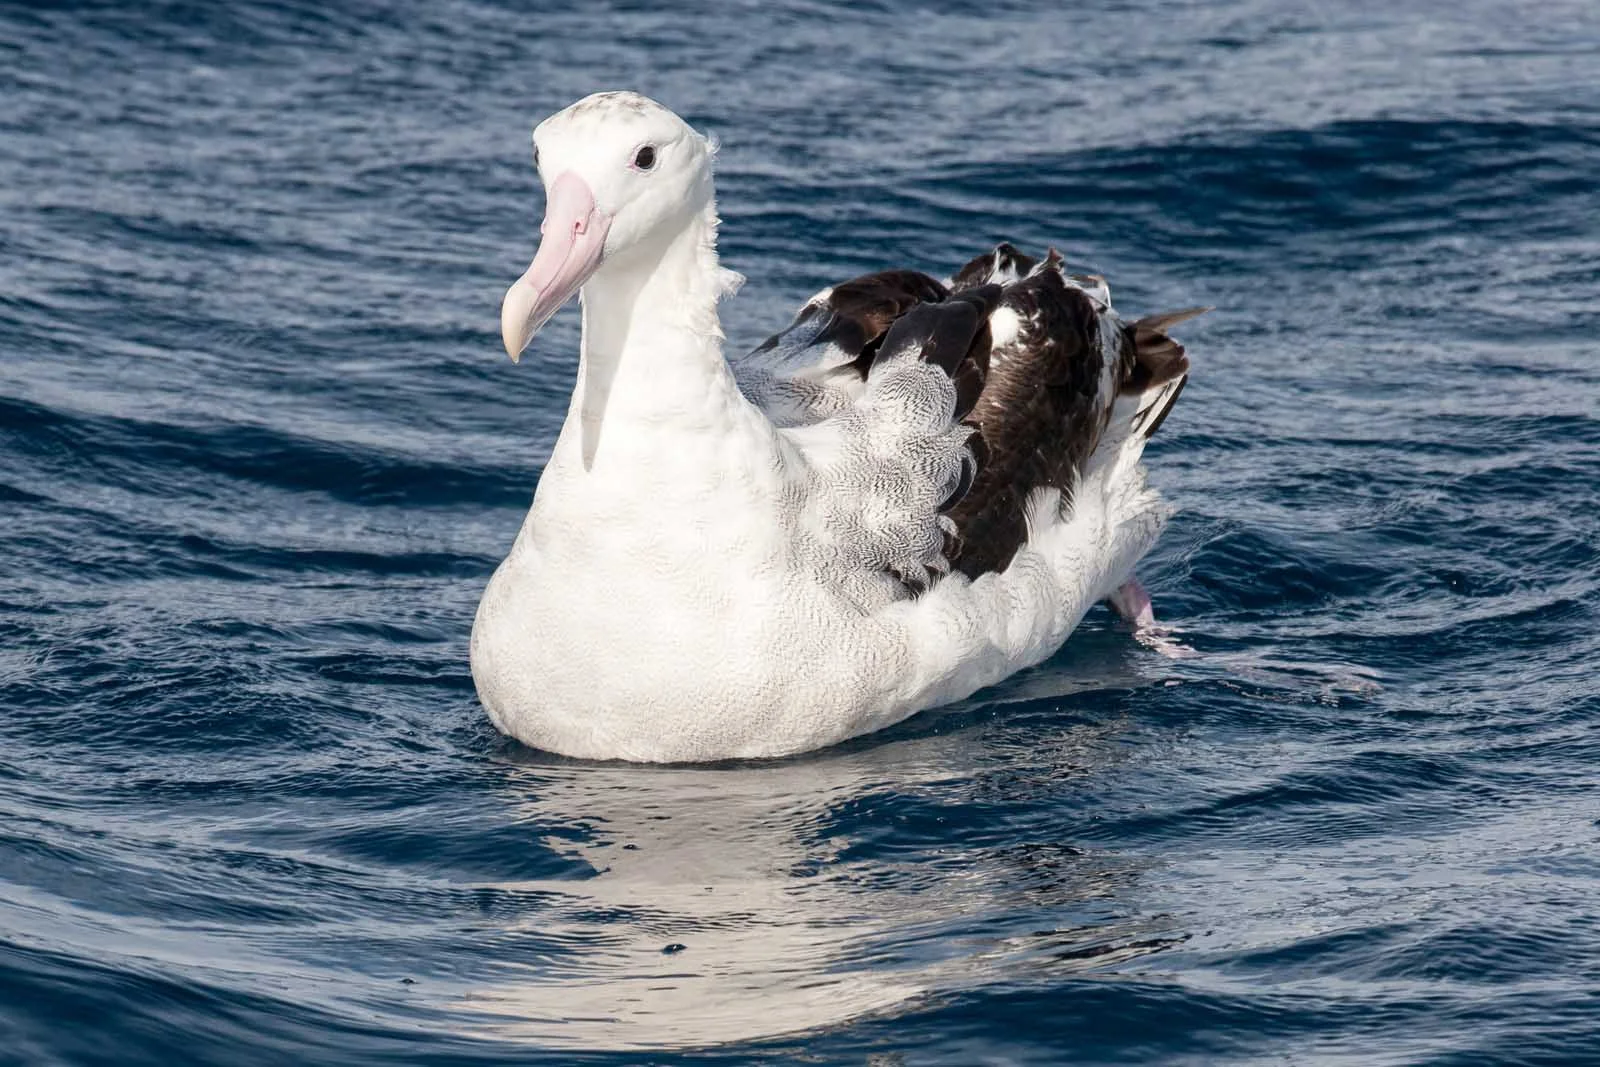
[787,917]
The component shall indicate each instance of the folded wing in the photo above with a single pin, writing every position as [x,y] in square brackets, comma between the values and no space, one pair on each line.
[930,412]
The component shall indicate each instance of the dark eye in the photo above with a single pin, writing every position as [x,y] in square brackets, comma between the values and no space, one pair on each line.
[645,158]
[535,157]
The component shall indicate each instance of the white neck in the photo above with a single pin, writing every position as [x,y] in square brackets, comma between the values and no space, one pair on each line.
[652,340]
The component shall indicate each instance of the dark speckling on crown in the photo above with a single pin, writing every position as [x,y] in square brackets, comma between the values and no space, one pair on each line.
[615,100]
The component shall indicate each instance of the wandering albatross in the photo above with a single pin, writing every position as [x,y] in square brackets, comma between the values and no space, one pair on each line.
[914,490]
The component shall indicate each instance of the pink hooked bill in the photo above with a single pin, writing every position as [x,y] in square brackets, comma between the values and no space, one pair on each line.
[574,240]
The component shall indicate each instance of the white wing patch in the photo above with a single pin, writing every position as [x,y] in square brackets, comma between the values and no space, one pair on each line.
[876,476]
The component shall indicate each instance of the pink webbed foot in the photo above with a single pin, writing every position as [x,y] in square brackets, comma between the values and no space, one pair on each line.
[1132,602]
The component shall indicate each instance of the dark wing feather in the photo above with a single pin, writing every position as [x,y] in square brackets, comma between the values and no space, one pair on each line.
[1049,395]
[1037,393]
[1002,266]
[1154,358]
[814,367]
[1040,416]
[853,317]
[953,335]
[862,311]
[1155,367]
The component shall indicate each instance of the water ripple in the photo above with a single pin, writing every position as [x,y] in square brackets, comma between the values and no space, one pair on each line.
[258,455]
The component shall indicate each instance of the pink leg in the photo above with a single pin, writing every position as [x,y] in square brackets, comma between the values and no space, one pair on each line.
[1133,603]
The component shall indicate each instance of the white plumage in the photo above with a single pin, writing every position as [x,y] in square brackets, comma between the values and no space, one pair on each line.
[752,560]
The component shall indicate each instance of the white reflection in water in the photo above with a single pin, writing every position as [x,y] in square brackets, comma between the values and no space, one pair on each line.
[808,892]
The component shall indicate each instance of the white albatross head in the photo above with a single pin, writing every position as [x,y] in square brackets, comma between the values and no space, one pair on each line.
[620,173]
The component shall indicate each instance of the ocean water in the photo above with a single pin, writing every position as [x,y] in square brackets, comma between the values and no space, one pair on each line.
[260,451]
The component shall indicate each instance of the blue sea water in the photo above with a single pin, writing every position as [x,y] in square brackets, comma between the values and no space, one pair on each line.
[260,450]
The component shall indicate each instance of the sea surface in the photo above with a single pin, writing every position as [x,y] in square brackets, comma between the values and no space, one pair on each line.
[260,450]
